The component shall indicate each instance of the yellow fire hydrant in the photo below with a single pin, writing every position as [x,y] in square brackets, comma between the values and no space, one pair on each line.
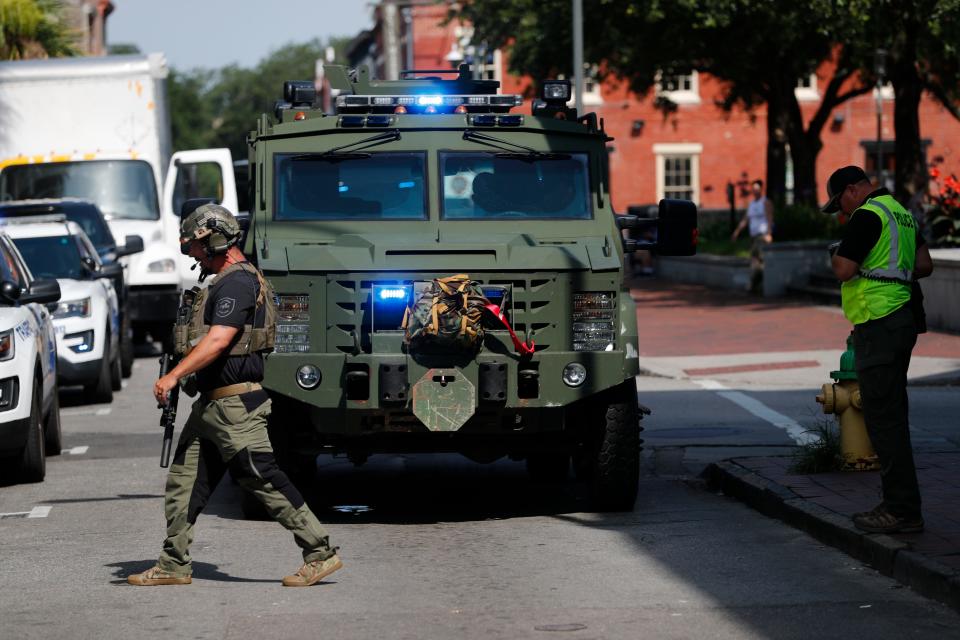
[842,398]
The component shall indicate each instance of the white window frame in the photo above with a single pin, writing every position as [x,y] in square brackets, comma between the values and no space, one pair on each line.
[685,96]
[594,95]
[665,150]
[808,94]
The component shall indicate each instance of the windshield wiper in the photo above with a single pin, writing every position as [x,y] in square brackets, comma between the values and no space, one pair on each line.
[338,153]
[531,153]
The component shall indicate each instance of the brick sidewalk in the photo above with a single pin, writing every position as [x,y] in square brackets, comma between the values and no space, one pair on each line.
[685,320]
[822,504]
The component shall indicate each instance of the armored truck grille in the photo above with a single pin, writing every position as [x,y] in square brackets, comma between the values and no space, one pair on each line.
[535,310]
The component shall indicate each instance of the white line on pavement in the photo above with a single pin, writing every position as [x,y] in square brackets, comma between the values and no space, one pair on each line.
[793,428]
[105,411]
[36,512]
[77,451]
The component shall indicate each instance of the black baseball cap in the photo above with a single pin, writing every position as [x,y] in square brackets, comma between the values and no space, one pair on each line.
[840,180]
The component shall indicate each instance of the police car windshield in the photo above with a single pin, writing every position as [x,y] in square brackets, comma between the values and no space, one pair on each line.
[52,257]
[120,188]
[482,185]
[361,186]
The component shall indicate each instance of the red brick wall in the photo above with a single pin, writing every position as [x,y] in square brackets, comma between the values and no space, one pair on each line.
[734,144]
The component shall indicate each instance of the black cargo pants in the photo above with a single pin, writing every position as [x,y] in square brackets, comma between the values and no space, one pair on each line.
[882,350]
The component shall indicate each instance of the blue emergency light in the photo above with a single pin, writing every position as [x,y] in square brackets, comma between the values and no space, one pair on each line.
[389,304]
[430,100]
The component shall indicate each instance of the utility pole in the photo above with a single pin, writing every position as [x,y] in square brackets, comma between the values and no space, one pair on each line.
[578,52]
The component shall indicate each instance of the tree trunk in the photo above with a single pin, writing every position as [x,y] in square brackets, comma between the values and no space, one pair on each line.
[911,165]
[776,153]
[803,151]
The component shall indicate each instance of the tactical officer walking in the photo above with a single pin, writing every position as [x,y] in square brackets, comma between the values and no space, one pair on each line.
[877,261]
[232,323]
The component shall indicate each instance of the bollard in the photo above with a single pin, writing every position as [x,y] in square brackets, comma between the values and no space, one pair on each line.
[842,398]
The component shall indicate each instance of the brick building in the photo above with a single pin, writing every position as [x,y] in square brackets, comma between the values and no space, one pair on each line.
[693,152]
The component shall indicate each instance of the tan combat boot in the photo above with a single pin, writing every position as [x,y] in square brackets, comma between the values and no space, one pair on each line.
[156,576]
[313,572]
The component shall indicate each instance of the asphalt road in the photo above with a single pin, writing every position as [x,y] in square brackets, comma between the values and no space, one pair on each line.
[440,547]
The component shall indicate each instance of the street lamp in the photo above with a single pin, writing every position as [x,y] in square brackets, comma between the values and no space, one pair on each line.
[880,70]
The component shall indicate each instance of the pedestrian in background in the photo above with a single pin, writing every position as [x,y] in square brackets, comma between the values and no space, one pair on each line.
[759,219]
[878,259]
[230,328]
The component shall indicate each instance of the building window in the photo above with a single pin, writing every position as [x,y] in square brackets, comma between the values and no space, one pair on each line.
[591,84]
[887,160]
[806,89]
[678,170]
[886,91]
[679,88]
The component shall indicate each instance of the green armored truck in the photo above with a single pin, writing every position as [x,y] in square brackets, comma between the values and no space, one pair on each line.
[358,217]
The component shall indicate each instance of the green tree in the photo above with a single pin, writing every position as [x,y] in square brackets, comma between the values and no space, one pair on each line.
[922,39]
[759,49]
[34,29]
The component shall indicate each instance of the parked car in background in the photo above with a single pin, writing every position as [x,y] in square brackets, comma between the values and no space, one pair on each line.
[87,319]
[91,220]
[29,408]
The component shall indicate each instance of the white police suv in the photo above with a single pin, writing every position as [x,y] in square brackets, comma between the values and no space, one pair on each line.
[29,409]
[87,317]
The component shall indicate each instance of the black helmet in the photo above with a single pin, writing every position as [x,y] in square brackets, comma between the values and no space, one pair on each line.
[213,225]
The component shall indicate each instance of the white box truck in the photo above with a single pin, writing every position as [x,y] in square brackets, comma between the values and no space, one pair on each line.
[98,128]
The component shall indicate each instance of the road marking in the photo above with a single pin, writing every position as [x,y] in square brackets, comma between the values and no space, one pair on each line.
[77,451]
[36,512]
[105,411]
[793,428]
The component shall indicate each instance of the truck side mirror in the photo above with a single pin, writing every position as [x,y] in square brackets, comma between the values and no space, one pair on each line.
[134,244]
[677,228]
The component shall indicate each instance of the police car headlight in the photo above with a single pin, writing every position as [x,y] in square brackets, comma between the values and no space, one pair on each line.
[308,376]
[73,309]
[162,266]
[7,345]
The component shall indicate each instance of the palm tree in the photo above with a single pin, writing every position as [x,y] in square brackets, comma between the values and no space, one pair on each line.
[34,29]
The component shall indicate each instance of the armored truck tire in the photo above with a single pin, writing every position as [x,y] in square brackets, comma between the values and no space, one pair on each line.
[611,453]
[33,459]
[53,436]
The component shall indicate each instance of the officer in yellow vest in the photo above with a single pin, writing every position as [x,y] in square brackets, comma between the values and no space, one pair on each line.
[231,326]
[880,256]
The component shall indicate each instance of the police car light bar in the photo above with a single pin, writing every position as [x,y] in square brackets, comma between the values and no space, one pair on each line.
[440,103]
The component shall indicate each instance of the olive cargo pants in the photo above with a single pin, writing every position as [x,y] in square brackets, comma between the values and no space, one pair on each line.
[219,435]
[882,350]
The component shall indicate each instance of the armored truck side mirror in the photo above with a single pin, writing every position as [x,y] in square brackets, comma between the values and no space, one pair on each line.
[42,291]
[675,225]
[677,228]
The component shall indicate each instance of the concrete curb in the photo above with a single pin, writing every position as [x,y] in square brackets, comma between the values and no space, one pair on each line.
[886,554]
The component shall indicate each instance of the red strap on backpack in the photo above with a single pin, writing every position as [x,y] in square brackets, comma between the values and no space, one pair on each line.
[519,346]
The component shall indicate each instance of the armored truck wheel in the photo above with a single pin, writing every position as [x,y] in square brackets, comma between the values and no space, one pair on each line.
[614,464]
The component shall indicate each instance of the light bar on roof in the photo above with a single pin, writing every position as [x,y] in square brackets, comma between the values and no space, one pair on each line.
[355,102]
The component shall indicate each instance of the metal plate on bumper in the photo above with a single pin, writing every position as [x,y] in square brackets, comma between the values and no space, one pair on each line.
[444,399]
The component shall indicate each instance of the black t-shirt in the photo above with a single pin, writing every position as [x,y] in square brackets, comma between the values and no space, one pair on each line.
[863,231]
[232,302]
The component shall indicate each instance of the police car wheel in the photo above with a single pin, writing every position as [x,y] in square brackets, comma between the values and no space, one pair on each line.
[101,390]
[116,374]
[126,351]
[51,427]
[33,461]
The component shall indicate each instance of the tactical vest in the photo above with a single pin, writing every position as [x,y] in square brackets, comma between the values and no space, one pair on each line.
[190,327]
[884,281]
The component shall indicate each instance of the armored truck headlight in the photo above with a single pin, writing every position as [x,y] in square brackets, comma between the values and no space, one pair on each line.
[556,91]
[73,309]
[308,376]
[574,374]
[593,321]
[293,324]
[162,266]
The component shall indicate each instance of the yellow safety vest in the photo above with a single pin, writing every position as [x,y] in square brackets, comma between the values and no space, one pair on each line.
[884,281]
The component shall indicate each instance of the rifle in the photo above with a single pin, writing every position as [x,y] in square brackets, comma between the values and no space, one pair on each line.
[167,362]
[169,414]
